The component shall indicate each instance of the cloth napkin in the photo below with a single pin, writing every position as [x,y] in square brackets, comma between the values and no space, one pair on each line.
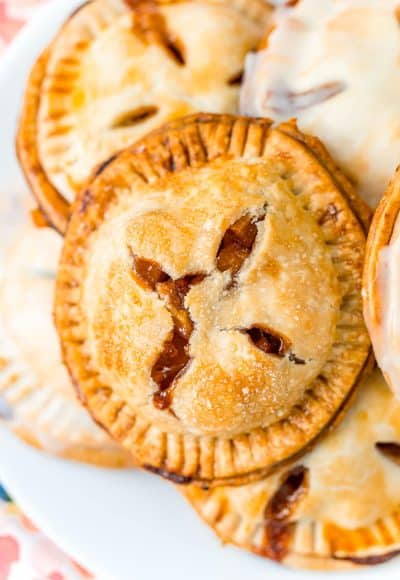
[26,553]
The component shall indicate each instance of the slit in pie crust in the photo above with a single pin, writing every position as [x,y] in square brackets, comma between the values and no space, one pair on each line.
[120,68]
[37,399]
[337,507]
[256,352]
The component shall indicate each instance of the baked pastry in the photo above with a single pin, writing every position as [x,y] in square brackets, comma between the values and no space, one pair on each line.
[335,68]
[120,68]
[381,284]
[208,297]
[336,507]
[37,398]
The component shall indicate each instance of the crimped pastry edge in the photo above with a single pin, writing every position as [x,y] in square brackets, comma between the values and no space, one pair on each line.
[241,130]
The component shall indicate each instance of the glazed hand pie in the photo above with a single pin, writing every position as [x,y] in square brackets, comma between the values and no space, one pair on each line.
[118,69]
[208,297]
[36,395]
[337,506]
[381,284]
[334,66]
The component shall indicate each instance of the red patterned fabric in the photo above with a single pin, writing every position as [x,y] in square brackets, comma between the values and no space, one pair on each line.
[26,553]
[13,15]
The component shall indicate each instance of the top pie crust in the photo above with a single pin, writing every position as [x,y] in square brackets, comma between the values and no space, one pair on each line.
[118,69]
[346,511]
[243,401]
[335,67]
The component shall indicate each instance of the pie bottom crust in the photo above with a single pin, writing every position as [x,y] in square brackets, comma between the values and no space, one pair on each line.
[360,492]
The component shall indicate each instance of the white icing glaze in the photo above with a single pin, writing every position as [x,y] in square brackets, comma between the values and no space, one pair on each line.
[386,335]
[336,66]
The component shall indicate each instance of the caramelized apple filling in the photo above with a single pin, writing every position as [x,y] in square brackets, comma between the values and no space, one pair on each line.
[390,450]
[236,79]
[271,342]
[236,246]
[279,510]
[175,354]
[266,341]
[173,359]
[237,243]
[148,272]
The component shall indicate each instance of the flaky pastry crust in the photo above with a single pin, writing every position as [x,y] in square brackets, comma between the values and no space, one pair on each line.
[208,297]
[379,236]
[335,508]
[120,68]
[40,403]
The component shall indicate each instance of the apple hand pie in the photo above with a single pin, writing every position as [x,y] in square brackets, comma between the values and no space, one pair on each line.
[336,507]
[208,297]
[334,66]
[381,284]
[120,68]
[36,396]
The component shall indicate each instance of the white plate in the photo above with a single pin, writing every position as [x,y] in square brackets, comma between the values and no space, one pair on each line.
[121,525]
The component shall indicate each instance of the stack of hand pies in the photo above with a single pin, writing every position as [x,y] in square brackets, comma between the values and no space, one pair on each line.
[209,290]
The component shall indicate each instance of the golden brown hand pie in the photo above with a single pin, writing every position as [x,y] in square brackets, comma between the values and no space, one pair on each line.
[118,69]
[208,297]
[36,394]
[381,284]
[334,66]
[337,506]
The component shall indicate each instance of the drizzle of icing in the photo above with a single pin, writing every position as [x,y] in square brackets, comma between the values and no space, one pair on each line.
[386,335]
[320,63]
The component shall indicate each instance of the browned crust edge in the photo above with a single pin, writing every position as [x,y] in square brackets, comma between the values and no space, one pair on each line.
[379,236]
[305,561]
[318,151]
[361,209]
[55,208]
